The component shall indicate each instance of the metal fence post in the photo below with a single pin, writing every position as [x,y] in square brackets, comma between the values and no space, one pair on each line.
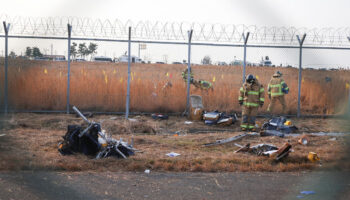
[300,68]
[6,29]
[128,86]
[245,54]
[68,73]
[188,71]
[349,91]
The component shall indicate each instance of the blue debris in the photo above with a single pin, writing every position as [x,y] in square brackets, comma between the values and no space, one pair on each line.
[307,192]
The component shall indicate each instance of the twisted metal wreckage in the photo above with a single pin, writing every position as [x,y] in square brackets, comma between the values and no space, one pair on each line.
[93,141]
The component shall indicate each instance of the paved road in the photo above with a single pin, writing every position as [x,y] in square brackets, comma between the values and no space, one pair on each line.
[127,185]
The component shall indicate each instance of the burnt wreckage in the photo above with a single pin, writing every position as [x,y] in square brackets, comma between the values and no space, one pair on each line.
[92,141]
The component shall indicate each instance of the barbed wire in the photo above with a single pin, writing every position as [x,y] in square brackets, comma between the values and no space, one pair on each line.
[174,31]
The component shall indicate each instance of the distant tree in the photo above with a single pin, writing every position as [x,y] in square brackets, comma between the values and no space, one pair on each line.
[83,50]
[92,48]
[73,50]
[206,60]
[12,54]
[29,52]
[36,52]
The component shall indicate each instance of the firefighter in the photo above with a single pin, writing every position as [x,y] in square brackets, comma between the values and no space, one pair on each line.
[277,88]
[251,96]
[185,75]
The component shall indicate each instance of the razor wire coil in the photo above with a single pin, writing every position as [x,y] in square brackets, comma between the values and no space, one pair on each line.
[173,31]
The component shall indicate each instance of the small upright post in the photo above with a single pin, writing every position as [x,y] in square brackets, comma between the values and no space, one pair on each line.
[301,41]
[6,29]
[245,37]
[68,62]
[188,71]
[349,91]
[128,86]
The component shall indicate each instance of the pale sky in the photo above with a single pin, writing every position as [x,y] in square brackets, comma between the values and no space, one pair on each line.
[297,13]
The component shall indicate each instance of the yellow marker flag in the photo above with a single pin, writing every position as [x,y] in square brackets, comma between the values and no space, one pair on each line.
[347,85]
[121,79]
[257,77]
[214,79]
[106,79]
[103,72]
[302,80]
[114,71]
[45,71]
[167,74]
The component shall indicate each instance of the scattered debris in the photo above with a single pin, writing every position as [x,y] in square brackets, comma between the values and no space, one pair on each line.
[86,114]
[92,141]
[271,133]
[280,124]
[113,118]
[303,140]
[231,139]
[220,118]
[147,171]
[307,192]
[333,139]
[329,134]
[188,122]
[2,135]
[159,116]
[196,108]
[132,120]
[266,150]
[172,154]
[313,157]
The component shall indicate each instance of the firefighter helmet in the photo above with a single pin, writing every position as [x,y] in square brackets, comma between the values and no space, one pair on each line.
[278,74]
[250,78]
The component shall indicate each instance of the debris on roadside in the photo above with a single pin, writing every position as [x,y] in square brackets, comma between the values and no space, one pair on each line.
[271,133]
[158,116]
[196,108]
[305,193]
[92,141]
[188,122]
[85,114]
[172,154]
[313,157]
[280,124]
[219,118]
[2,135]
[267,150]
[147,171]
[231,139]
[303,140]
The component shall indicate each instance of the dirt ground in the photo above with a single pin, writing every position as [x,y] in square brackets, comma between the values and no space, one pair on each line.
[182,185]
[29,142]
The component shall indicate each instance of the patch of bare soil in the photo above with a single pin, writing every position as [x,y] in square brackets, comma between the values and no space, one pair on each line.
[30,142]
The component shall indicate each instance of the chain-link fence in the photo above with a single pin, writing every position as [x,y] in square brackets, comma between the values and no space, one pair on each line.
[316,71]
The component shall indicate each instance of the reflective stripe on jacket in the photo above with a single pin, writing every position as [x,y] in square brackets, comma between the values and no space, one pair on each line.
[277,87]
[251,94]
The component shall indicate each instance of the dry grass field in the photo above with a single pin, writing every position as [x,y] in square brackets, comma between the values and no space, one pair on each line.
[30,143]
[41,85]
